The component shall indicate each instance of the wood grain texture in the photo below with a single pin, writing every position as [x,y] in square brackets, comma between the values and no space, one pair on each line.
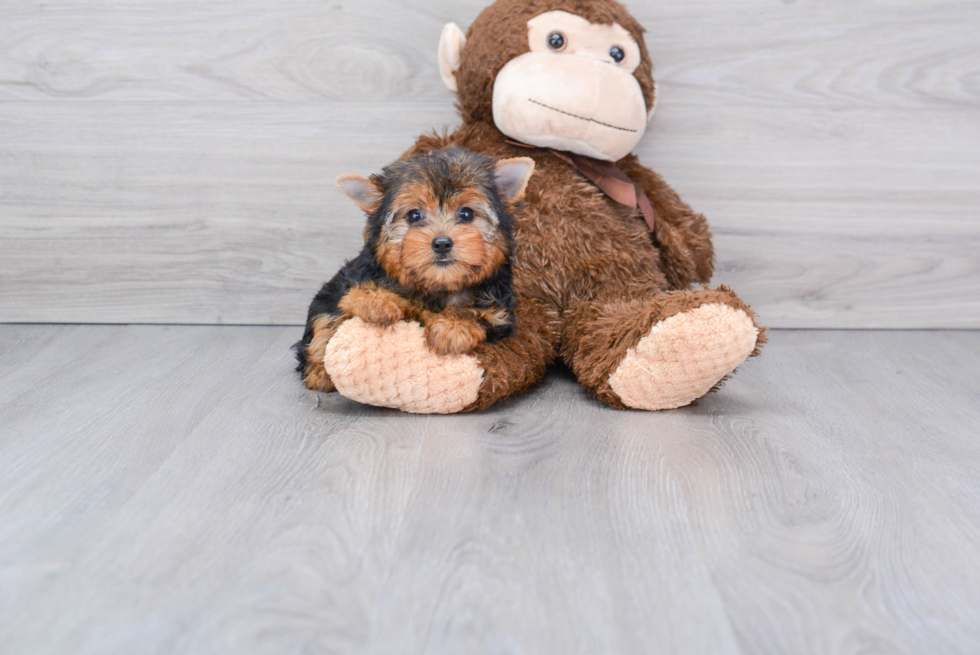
[195,498]
[910,53]
[172,162]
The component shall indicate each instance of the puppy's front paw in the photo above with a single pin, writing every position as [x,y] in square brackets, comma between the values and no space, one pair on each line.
[381,311]
[372,304]
[453,335]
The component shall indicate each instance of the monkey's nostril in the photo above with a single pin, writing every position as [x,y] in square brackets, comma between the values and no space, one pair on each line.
[442,245]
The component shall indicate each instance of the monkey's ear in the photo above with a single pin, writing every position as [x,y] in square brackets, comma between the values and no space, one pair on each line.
[451,46]
[364,192]
[653,107]
[512,177]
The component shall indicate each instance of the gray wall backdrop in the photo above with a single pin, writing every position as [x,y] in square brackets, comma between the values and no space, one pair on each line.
[173,161]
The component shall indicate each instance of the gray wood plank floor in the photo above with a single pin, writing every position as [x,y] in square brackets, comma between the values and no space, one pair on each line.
[185,151]
[168,489]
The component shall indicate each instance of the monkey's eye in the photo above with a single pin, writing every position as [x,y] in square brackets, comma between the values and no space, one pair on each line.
[465,214]
[617,54]
[414,216]
[556,41]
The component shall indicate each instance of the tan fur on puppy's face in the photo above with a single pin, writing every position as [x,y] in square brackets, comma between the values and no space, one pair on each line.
[405,250]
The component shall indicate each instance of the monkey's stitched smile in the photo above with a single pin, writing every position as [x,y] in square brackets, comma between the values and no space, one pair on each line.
[581,118]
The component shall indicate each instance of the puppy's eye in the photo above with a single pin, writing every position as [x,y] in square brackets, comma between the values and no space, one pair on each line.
[414,216]
[557,41]
[465,214]
[617,54]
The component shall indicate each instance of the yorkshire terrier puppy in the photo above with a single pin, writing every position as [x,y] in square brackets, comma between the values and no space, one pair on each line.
[439,237]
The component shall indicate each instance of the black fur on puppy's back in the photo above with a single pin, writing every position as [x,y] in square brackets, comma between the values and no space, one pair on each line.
[362,268]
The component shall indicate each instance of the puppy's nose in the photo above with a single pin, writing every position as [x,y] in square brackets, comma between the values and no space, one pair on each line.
[442,245]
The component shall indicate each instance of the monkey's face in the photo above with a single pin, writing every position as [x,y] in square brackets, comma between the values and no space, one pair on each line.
[574,90]
[440,246]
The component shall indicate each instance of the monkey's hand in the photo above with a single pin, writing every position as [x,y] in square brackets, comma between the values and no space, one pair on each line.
[374,304]
[394,367]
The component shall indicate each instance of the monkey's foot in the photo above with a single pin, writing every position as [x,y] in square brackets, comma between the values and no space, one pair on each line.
[684,356]
[393,367]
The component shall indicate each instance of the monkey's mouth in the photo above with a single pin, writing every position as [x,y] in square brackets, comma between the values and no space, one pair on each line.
[581,118]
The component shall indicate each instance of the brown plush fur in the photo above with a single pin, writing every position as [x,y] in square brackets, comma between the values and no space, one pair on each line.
[589,279]
[513,365]
[590,262]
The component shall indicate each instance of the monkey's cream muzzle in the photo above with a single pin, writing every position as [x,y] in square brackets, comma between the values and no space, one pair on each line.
[601,114]
[577,98]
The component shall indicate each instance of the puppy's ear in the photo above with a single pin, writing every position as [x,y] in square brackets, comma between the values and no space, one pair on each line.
[363,191]
[512,177]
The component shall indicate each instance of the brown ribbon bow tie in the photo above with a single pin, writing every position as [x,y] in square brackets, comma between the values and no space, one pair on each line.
[610,179]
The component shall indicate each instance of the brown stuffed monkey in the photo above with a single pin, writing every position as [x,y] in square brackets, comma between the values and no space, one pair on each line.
[606,251]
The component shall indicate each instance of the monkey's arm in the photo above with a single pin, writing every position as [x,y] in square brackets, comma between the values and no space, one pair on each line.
[681,234]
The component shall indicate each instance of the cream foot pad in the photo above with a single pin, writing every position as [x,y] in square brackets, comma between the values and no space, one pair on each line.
[393,367]
[684,356]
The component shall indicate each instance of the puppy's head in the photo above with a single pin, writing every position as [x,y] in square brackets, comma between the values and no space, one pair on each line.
[440,222]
